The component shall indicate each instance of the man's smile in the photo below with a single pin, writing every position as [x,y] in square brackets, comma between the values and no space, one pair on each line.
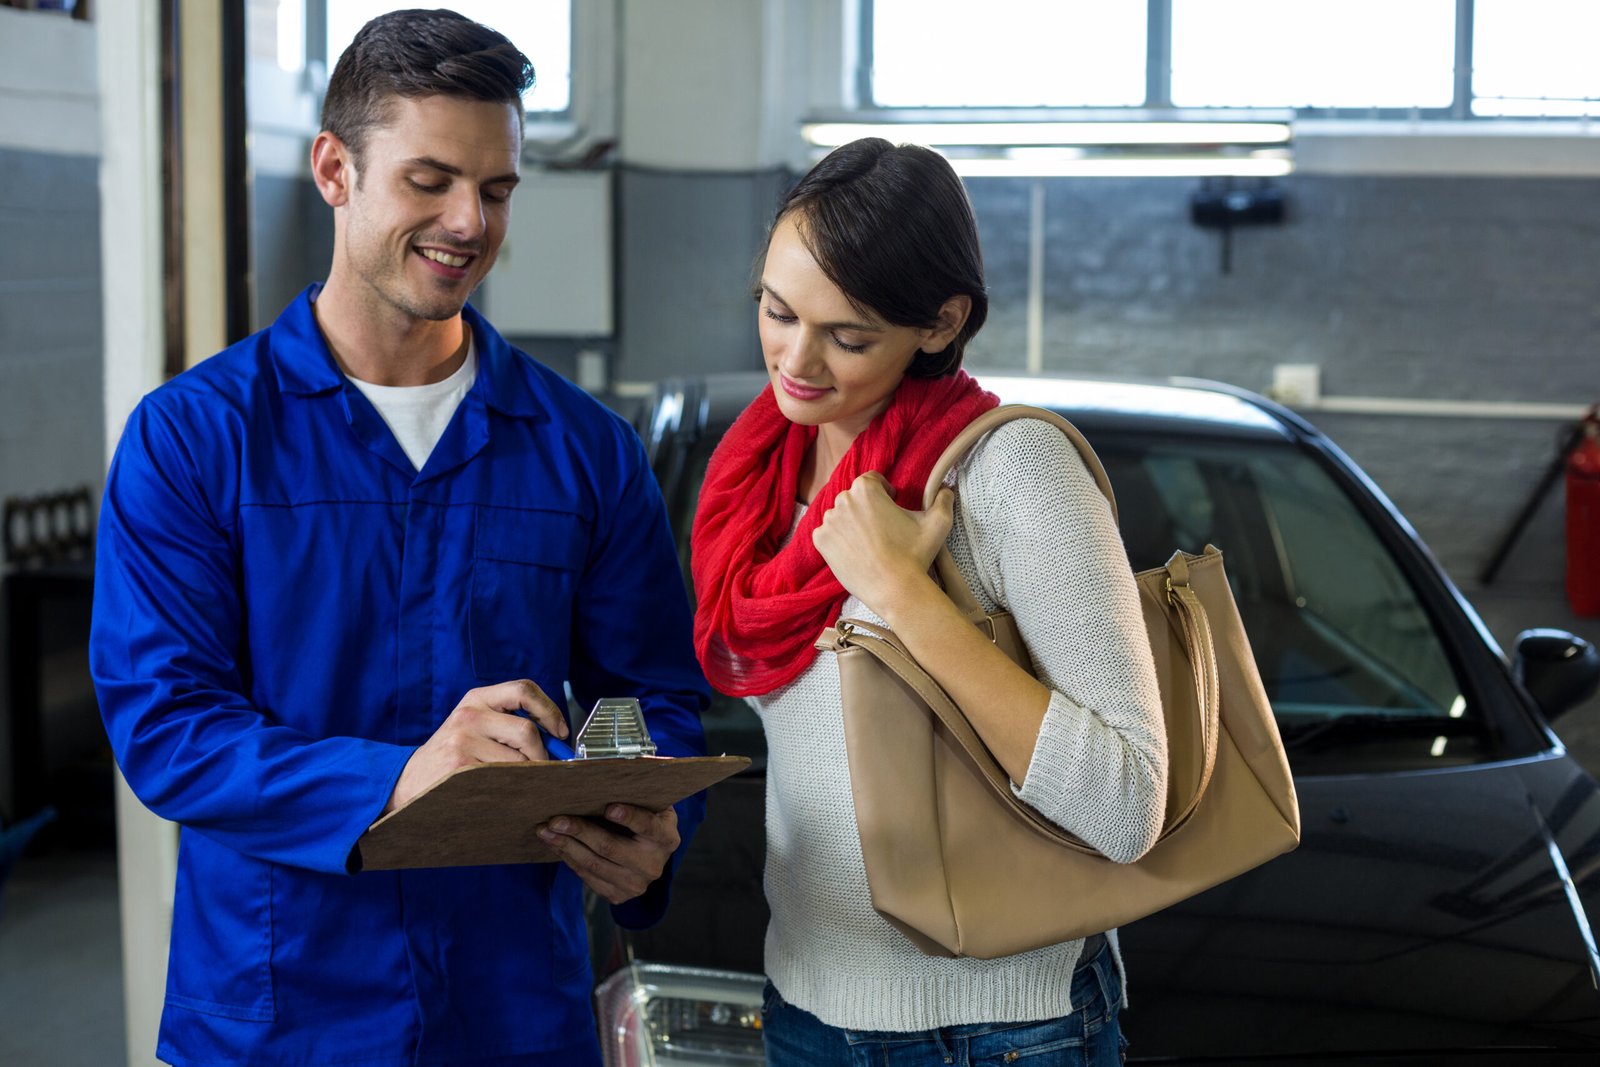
[445,257]
[452,265]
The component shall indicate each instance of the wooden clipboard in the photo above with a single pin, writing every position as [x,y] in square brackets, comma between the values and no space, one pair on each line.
[488,813]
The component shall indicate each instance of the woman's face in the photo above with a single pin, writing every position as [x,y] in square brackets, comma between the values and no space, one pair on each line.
[830,364]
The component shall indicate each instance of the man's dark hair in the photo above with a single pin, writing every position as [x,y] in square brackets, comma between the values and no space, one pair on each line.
[892,227]
[414,53]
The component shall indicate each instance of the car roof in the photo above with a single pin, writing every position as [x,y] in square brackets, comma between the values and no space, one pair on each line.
[1173,405]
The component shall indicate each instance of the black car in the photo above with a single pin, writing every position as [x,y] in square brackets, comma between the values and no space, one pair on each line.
[1438,908]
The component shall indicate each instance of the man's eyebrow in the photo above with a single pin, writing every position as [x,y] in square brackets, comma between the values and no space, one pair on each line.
[439,165]
[842,325]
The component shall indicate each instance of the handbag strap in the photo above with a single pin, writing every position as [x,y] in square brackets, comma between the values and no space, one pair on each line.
[950,576]
[999,416]
[1202,649]
[1192,620]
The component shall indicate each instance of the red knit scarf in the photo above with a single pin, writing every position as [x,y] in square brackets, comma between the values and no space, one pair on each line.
[761,601]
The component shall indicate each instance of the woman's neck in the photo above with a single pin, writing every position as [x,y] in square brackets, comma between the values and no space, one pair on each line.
[822,458]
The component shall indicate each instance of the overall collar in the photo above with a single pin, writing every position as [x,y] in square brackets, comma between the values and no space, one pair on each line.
[305,366]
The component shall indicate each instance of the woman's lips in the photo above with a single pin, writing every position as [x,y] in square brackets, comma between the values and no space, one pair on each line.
[801,392]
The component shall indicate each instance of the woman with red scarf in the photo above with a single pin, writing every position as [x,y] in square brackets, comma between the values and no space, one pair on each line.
[869,290]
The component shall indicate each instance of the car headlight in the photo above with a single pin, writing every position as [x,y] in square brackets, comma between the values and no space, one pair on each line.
[652,1013]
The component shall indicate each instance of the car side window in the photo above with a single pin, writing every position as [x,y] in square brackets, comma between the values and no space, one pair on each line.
[1358,675]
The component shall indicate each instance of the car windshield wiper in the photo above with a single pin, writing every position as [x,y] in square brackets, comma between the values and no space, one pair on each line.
[1366,726]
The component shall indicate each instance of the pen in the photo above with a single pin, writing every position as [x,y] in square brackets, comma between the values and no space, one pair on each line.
[557,748]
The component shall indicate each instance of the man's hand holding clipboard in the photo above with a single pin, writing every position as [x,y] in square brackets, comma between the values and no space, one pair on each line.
[509,803]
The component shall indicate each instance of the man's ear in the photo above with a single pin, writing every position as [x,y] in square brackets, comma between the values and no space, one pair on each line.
[952,316]
[332,168]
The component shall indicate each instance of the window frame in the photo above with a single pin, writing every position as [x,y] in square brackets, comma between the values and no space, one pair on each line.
[589,29]
[1158,88]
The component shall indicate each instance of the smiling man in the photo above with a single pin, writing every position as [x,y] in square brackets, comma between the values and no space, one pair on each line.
[361,549]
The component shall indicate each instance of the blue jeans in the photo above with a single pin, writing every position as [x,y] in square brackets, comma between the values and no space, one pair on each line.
[1089,1037]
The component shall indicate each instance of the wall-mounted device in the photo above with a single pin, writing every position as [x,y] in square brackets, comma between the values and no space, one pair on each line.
[1223,203]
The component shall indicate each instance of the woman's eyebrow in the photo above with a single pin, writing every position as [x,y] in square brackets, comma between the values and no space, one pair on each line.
[841,325]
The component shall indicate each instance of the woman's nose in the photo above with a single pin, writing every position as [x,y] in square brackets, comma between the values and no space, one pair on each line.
[800,358]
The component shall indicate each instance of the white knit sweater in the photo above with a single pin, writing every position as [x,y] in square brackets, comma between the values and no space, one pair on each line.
[1033,533]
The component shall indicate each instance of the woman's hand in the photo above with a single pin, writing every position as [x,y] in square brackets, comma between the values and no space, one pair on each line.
[878,550]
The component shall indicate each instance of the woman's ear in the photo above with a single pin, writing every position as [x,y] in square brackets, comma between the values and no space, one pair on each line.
[332,169]
[952,316]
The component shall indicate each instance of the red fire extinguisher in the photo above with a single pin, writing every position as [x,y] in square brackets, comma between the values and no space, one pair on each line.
[1583,519]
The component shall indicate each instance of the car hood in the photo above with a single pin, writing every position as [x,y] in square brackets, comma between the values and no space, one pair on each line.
[1428,910]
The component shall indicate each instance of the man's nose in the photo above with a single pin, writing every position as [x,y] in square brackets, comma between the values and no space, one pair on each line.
[463,214]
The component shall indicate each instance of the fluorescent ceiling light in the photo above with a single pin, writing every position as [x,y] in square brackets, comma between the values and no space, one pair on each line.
[833,134]
[1127,167]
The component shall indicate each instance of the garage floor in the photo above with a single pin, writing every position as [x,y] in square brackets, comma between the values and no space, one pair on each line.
[61,962]
[60,952]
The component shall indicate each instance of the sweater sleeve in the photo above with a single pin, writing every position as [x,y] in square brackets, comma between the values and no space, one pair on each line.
[1042,543]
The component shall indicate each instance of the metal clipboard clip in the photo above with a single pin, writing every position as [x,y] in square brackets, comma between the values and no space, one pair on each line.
[615,729]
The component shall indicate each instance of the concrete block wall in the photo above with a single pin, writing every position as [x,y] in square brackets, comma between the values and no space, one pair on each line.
[50,322]
[1430,288]
[50,319]
[51,426]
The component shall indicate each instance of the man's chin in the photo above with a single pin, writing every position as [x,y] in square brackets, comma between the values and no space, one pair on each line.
[441,314]
[435,310]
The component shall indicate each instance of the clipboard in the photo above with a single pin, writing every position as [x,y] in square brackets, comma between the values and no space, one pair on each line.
[488,813]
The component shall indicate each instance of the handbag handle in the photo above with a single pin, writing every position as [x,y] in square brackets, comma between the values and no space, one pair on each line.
[949,575]
[883,645]
[1202,649]
[1193,623]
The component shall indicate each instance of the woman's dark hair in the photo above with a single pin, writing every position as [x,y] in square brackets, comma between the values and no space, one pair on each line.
[414,53]
[892,227]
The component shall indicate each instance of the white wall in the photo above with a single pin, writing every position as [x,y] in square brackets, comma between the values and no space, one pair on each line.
[691,76]
[49,92]
[130,237]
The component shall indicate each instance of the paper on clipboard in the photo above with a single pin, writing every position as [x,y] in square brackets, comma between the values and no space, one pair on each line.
[489,812]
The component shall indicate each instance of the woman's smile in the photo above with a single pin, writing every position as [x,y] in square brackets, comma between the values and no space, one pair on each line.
[800,391]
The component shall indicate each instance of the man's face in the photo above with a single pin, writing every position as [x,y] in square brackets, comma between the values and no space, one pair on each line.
[430,202]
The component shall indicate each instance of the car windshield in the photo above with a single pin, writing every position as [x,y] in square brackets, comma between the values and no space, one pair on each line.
[1357,674]
[1347,652]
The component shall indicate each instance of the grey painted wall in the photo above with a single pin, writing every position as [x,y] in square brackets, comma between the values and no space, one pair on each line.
[1485,289]
[687,245]
[291,242]
[1447,288]
[50,323]
[1477,289]
[1467,289]
[52,434]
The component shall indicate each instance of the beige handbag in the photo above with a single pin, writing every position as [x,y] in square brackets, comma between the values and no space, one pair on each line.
[964,868]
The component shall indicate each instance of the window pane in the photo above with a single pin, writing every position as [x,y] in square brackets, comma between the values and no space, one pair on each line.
[1008,53]
[1337,631]
[1536,57]
[541,28]
[1313,53]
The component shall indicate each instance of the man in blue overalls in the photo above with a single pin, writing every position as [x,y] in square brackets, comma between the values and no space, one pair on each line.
[356,551]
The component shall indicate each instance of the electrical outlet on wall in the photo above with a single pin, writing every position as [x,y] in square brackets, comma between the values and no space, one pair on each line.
[1299,385]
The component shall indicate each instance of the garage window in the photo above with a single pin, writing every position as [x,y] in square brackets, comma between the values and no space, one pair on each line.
[541,28]
[1421,59]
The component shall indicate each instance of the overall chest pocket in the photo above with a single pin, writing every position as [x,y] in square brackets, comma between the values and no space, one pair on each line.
[525,571]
